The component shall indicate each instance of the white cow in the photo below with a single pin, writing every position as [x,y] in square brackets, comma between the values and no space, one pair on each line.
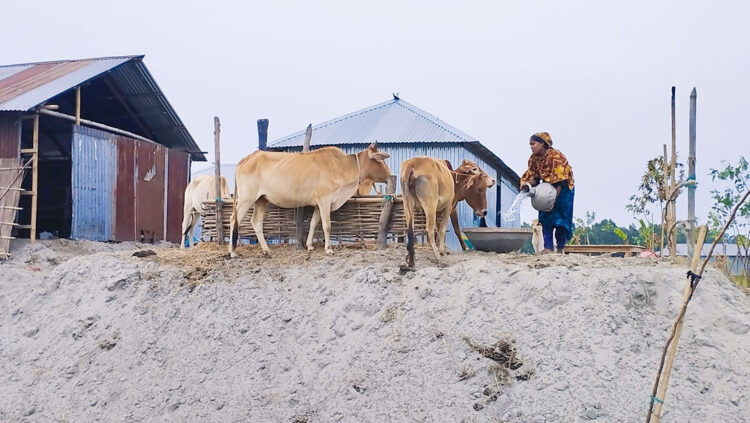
[200,189]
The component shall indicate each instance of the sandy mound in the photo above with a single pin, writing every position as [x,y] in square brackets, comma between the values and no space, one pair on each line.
[91,332]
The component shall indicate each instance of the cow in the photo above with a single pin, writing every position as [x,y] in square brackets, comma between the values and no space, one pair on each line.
[469,188]
[200,189]
[324,178]
[431,184]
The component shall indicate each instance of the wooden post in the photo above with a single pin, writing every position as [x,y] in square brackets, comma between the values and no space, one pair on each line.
[691,169]
[664,381]
[299,213]
[217,174]
[672,215]
[78,105]
[34,176]
[385,214]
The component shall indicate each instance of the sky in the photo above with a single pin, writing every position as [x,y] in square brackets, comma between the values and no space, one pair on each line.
[595,75]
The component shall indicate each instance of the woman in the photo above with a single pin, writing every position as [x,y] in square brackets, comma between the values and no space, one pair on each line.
[550,165]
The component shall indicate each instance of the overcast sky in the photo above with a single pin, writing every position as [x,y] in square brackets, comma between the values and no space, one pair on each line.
[596,75]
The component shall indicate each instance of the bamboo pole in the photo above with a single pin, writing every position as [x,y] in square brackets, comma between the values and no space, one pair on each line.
[691,167]
[78,105]
[677,330]
[217,177]
[34,177]
[672,235]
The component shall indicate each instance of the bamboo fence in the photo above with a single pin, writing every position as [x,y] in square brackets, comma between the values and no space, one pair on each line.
[357,220]
[11,175]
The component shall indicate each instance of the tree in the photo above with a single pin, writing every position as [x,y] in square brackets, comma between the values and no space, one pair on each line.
[738,178]
[653,189]
[583,228]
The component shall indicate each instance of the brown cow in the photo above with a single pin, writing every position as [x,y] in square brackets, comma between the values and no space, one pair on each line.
[428,183]
[325,178]
[437,189]
[472,189]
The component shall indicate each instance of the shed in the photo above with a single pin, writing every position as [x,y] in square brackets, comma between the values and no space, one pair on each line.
[112,156]
[405,131]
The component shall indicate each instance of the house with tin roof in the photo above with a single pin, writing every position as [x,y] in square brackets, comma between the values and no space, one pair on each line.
[106,157]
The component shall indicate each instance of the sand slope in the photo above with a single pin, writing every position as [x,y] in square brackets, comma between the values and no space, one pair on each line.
[92,333]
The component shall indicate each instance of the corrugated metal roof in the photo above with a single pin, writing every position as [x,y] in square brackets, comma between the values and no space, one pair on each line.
[36,83]
[394,121]
[26,86]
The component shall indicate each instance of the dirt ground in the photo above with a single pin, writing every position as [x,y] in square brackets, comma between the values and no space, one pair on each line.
[92,332]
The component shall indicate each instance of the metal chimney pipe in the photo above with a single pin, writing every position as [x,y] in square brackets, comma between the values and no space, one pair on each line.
[262,134]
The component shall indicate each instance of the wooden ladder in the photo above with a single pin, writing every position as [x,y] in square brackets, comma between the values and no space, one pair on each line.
[33,155]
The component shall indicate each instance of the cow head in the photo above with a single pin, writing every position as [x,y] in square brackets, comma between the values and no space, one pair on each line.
[372,167]
[468,167]
[475,189]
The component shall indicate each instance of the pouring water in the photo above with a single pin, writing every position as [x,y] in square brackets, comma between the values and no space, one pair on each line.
[512,214]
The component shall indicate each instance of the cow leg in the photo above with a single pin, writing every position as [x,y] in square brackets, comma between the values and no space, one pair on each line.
[457,227]
[445,215]
[324,207]
[259,213]
[186,224]
[240,211]
[430,211]
[191,230]
[314,220]
[409,217]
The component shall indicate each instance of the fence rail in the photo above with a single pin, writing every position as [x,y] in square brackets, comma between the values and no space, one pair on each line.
[356,221]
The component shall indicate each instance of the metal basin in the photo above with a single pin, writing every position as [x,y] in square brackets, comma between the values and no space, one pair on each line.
[499,240]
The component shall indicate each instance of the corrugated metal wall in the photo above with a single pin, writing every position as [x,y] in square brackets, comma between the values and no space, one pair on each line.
[149,191]
[94,175]
[10,135]
[126,189]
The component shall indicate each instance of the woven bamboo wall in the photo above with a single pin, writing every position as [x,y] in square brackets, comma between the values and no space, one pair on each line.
[357,220]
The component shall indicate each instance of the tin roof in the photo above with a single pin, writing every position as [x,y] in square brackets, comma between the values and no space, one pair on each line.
[396,122]
[24,87]
[393,121]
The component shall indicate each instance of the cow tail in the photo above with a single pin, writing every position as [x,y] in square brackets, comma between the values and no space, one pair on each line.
[235,225]
[409,188]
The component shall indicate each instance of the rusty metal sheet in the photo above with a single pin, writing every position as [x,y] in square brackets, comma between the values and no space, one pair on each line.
[124,218]
[176,183]
[10,135]
[149,191]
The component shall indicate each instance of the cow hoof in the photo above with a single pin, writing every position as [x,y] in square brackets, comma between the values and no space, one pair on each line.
[404,269]
[329,251]
[442,264]
[232,254]
[267,253]
[310,248]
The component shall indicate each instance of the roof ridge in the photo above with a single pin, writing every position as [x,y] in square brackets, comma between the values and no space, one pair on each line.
[335,120]
[50,62]
[416,110]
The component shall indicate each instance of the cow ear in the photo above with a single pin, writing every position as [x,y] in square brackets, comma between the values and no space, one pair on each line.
[470,183]
[378,155]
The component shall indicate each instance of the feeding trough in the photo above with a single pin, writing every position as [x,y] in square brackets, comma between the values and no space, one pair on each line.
[499,240]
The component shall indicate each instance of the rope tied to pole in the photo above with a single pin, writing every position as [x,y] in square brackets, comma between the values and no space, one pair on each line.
[655,400]
[694,278]
[388,197]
